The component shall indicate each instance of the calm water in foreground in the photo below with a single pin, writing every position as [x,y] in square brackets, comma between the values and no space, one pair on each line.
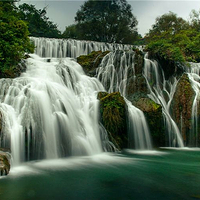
[164,174]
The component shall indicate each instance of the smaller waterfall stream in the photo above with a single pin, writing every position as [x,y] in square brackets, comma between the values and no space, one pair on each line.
[113,73]
[194,76]
[61,48]
[162,92]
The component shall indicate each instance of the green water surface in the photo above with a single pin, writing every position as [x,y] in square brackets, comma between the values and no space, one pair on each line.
[165,174]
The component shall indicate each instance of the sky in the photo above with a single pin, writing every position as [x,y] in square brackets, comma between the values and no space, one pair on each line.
[63,12]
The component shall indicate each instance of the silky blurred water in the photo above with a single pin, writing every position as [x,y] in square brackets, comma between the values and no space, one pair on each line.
[163,174]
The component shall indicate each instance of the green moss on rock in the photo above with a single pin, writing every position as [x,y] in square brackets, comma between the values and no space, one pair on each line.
[101,95]
[181,107]
[113,115]
[91,62]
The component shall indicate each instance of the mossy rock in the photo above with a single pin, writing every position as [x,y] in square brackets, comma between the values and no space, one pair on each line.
[136,86]
[91,62]
[113,111]
[154,117]
[14,71]
[101,95]
[4,163]
[181,108]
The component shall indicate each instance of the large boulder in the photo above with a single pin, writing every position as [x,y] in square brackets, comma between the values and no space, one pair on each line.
[113,112]
[181,107]
[154,117]
[91,62]
[4,162]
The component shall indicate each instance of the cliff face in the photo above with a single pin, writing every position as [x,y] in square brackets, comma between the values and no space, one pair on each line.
[181,107]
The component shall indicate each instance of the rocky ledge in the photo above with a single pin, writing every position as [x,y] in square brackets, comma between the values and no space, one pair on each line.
[4,162]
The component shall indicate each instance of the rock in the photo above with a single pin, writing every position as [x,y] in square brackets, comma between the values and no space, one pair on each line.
[170,68]
[136,87]
[139,62]
[14,71]
[154,117]
[113,112]
[4,162]
[101,95]
[91,62]
[181,107]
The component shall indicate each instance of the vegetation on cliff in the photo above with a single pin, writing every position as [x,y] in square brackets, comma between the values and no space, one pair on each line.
[14,34]
[174,40]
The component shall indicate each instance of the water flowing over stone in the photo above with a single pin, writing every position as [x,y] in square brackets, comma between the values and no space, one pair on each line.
[113,73]
[194,76]
[60,48]
[50,111]
[161,92]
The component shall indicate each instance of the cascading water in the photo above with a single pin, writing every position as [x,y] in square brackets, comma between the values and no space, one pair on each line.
[61,48]
[52,109]
[194,76]
[162,91]
[113,73]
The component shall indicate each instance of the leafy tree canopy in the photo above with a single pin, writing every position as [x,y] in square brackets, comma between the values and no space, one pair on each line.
[14,33]
[195,20]
[174,39]
[71,32]
[38,23]
[105,21]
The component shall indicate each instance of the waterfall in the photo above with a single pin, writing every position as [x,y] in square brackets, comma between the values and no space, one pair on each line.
[194,76]
[61,48]
[162,91]
[113,73]
[51,111]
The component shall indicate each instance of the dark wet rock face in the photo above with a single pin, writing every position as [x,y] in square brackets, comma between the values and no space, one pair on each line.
[181,107]
[154,117]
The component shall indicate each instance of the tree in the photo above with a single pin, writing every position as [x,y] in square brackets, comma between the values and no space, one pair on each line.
[39,25]
[14,33]
[71,32]
[168,25]
[195,20]
[173,39]
[106,21]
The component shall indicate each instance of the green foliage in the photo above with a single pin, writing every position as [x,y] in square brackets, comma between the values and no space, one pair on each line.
[38,23]
[195,20]
[106,21]
[71,32]
[173,39]
[14,33]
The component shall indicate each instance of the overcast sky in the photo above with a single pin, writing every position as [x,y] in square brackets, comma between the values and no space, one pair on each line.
[63,12]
